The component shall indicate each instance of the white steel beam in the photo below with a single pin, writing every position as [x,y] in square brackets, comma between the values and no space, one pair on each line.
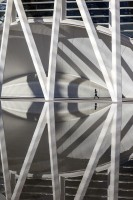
[116,50]
[4,160]
[54,48]
[63,10]
[30,154]
[115,153]
[95,44]
[32,46]
[13,179]
[4,40]
[95,156]
[14,14]
[62,186]
[110,10]
[53,152]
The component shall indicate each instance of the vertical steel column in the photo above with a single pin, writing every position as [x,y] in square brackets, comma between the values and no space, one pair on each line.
[116,50]
[94,158]
[62,185]
[95,44]
[115,153]
[4,40]
[14,13]
[30,154]
[32,46]
[13,179]
[63,10]
[53,152]
[4,160]
[54,48]
[110,10]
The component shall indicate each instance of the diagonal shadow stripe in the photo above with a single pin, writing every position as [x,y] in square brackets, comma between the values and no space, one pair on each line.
[127,127]
[80,55]
[123,62]
[127,68]
[71,63]
[83,137]
[70,132]
[124,131]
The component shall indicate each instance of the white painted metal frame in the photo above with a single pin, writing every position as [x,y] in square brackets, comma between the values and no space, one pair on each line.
[4,40]
[14,13]
[4,159]
[53,152]
[47,116]
[114,82]
[62,187]
[94,157]
[30,42]
[32,46]
[116,50]
[63,10]
[115,153]
[110,15]
[54,48]
[30,154]
[95,44]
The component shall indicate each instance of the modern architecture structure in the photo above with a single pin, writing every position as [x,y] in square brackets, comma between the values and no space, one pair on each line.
[66,49]
[69,57]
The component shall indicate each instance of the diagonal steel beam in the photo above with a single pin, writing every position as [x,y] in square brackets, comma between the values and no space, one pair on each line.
[4,160]
[32,46]
[95,44]
[30,154]
[53,152]
[115,153]
[54,48]
[94,157]
[4,40]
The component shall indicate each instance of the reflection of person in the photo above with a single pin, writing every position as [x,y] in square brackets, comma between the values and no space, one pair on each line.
[95,106]
[96,96]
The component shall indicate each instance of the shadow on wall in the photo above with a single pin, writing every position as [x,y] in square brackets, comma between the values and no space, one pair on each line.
[68,86]
[32,79]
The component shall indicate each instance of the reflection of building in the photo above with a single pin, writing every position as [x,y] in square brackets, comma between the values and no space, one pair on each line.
[77,130]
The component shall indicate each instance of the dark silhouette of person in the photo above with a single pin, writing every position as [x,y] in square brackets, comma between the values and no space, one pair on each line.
[95,106]
[96,96]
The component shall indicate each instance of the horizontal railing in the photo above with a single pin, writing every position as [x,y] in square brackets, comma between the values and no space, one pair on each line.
[99,11]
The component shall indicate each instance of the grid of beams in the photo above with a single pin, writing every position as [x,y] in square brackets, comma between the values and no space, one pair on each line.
[113,82]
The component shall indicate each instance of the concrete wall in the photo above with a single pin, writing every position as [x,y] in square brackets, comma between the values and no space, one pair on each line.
[76,61]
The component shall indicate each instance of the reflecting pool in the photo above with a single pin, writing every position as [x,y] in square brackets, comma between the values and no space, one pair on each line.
[79,150]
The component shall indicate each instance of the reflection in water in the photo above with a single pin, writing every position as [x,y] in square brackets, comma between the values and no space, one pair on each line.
[4,160]
[95,106]
[96,154]
[72,148]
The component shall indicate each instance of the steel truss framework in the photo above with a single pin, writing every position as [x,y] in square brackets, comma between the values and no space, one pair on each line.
[112,123]
[113,81]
